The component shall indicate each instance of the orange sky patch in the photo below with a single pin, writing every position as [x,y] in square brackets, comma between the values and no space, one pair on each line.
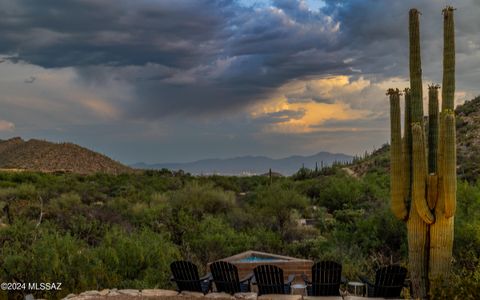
[297,96]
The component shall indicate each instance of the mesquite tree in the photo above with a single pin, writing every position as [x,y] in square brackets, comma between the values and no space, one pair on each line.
[423,189]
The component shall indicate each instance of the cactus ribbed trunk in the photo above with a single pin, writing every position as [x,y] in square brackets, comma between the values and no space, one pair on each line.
[441,232]
[415,68]
[448,91]
[450,167]
[425,189]
[418,240]
[432,128]
[407,149]
[417,249]
[396,184]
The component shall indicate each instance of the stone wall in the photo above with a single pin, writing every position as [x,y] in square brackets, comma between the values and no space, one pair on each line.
[157,294]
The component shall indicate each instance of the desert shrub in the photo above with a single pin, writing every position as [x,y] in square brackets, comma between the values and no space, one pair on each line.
[339,192]
[23,191]
[41,254]
[275,205]
[312,188]
[461,284]
[467,224]
[213,239]
[264,239]
[200,199]
[69,201]
[138,259]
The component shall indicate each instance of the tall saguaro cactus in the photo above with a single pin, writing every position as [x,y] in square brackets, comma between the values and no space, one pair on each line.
[423,188]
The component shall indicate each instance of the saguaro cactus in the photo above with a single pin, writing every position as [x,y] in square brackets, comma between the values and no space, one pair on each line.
[423,189]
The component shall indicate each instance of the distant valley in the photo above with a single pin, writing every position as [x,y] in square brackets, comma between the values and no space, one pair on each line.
[251,165]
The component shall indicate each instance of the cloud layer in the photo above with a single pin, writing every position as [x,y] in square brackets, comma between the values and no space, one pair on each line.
[168,75]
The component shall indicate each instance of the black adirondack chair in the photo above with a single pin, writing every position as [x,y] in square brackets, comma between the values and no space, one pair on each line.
[185,274]
[389,282]
[269,279]
[225,277]
[326,279]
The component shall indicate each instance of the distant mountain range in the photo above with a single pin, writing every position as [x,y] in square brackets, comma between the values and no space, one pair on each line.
[44,156]
[251,165]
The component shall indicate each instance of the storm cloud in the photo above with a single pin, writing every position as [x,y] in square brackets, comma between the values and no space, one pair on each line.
[250,68]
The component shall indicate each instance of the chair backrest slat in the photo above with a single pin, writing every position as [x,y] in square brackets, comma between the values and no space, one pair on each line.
[326,278]
[225,276]
[269,279]
[389,281]
[185,274]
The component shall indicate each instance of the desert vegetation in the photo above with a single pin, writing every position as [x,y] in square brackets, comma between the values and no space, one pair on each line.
[103,231]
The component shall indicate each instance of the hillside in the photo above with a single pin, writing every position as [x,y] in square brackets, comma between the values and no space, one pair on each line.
[377,161]
[468,146]
[251,165]
[468,139]
[46,156]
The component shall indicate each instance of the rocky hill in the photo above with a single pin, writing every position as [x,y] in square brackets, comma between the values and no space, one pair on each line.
[377,161]
[468,146]
[468,140]
[44,156]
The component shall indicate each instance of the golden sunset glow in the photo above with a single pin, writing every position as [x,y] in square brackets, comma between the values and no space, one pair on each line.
[308,113]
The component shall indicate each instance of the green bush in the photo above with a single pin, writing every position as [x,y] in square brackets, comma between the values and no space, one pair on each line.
[139,259]
[275,205]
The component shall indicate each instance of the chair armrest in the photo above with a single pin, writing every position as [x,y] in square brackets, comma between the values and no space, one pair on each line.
[365,280]
[305,279]
[291,278]
[247,278]
[207,277]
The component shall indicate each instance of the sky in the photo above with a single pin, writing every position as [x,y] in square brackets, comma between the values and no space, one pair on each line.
[177,81]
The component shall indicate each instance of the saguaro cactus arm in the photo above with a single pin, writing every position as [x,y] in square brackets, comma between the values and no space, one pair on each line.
[448,117]
[432,127]
[450,164]
[415,67]
[420,175]
[448,90]
[397,204]
[407,148]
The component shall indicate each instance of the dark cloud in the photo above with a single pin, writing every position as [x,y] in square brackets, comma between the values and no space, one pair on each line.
[112,32]
[281,116]
[208,56]
[202,57]
[377,33]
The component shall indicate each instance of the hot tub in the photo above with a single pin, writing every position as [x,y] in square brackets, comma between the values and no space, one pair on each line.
[248,260]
